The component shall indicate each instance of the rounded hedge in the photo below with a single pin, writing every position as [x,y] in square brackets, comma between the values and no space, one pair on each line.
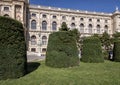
[13,59]
[92,51]
[62,50]
[116,51]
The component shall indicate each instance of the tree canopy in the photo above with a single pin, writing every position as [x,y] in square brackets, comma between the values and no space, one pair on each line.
[64,27]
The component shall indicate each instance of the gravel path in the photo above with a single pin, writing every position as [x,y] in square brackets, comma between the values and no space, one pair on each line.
[34,57]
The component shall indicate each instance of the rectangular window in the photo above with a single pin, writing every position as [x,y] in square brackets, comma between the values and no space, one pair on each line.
[44,50]
[33,15]
[6,8]
[33,49]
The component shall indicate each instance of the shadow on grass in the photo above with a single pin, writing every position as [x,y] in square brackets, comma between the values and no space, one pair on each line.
[32,66]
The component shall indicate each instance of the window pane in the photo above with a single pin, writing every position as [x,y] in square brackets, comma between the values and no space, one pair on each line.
[44,25]
[44,16]
[33,49]
[81,28]
[44,40]
[90,28]
[33,40]
[81,19]
[54,17]
[73,18]
[73,25]
[106,28]
[44,50]
[54,26]
[33,15]
[6,8]
[33,24]
[98,28]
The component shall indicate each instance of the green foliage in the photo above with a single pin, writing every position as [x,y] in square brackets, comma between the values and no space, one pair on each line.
[116,51]
[12,49]
[62,50]
[64,27]
[106,41]
[116,37]
[76,33]
[92,51]
[105,54]
[96,35]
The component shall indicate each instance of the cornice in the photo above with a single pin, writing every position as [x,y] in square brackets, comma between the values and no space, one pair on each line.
[55,9]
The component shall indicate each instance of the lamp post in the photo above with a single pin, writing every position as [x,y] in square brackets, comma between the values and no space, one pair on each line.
[39,44]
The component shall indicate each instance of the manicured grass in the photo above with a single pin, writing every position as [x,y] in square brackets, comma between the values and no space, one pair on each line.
[107,73]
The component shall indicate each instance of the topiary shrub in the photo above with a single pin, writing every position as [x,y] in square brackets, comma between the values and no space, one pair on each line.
[62,50]
[92,51]
[13,59]
[116,51]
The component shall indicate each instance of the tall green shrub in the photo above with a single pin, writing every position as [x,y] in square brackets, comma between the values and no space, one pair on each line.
[92,51]
[116,51]
[62,50]
[12,49]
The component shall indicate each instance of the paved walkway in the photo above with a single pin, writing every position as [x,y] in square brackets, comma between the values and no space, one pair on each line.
[34,57]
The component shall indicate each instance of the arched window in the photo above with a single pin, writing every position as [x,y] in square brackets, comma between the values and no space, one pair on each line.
[73,18]
[98,29]
[81,28]
[81,19]
[33,40]
[33,24]
[98,20]
[44,40]
[90,28]
[44,25]
[6,15]
[54,25]
[90,20]
[63,22]
[44,16]
[73,25]
[54,16]
[106,28]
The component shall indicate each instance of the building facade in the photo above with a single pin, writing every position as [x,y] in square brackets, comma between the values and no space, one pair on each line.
[40,21]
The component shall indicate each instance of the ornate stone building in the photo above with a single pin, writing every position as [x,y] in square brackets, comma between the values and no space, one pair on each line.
[40,21]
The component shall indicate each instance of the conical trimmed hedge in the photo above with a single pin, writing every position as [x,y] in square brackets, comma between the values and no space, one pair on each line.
[92,51]
[116,51]
[62,50]
[13,59]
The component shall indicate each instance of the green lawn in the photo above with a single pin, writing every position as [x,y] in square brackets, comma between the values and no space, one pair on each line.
[107,73]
